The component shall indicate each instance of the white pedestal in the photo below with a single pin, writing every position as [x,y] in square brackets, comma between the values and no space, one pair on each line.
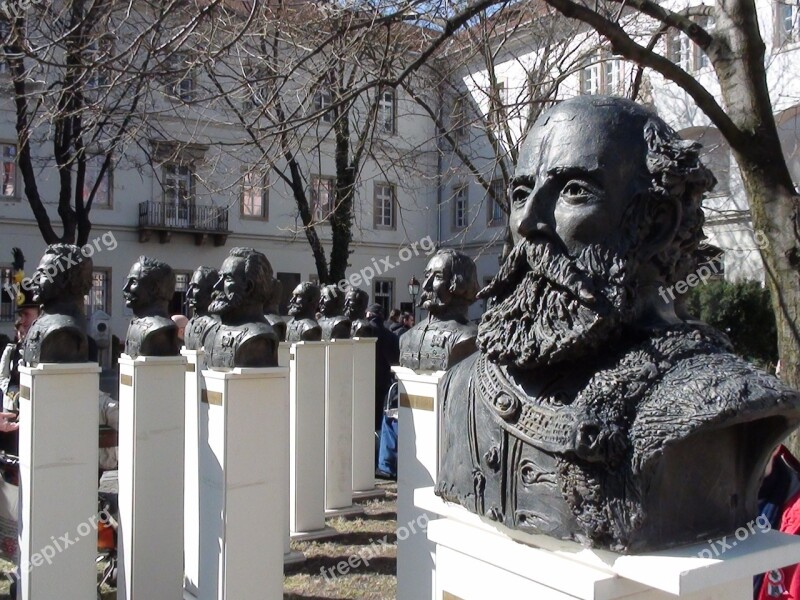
[417,468]
[151,461]
[339,428]
[364,418]
[477,560]
[306,485]
[195,363]
[283,354]
[244,460]
[58,439]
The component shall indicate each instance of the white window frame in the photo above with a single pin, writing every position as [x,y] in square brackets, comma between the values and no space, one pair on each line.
[460,206]
[180,78]
[178,188]
[8,155]
[323,100]
[323,191]
[103,198]
[255,192]
[387,111]
[494,213]
[8,301]
[99,296]
[602,74]
[680,50]
[787,11]
[383,293]
[384,205]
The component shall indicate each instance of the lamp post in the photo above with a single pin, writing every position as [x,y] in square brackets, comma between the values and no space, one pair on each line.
[413,290]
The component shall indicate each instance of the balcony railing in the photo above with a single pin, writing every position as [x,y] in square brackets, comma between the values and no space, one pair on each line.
[201,221]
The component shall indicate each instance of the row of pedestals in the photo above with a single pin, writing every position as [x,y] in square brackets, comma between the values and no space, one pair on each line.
[445,552]
[216,469]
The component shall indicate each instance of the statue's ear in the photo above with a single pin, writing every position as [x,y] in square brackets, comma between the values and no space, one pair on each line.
[663,218]
[456,281]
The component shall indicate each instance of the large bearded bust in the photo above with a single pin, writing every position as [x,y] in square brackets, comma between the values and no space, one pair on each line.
[591,411]
[58,335]
[303,306]
[242,338]
[334,325]
[446,337]
[198,297]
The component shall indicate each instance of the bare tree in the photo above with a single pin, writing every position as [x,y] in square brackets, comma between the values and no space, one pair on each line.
[81,73]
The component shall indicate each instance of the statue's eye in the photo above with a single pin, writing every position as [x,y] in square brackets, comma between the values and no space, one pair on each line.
[578,192]
[520,194]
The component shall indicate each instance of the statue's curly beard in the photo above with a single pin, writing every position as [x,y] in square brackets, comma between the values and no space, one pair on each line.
[222,304]
[549,308]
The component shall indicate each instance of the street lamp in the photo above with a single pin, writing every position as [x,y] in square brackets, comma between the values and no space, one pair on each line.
[413,291]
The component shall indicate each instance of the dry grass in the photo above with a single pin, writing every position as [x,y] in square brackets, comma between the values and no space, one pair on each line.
[371,536]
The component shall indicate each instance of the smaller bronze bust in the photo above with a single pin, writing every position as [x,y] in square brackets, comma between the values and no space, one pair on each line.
[303,308]
[198,297]
[334,325]
[242,338]
[273,312]
[355,309]
[446,337]
[148,291]
[62,279]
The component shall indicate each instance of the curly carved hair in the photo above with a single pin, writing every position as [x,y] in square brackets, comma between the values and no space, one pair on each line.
[258,270]
[75,267]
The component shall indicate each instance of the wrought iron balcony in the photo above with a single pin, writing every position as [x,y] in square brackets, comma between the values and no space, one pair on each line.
[200,221]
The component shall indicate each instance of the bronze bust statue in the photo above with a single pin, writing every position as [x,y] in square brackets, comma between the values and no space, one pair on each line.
[198,297]
[242,338]
[355,309]
[58,335]
[303,308]
[446,337]
[148,291]
[273,313]
[592,412]
[334,325]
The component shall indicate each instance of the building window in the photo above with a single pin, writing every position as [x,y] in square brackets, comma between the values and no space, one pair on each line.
[460,207]
[180,77]
[497,103]
[7,294]
[323,100]
[383,294]
[384,207]
[386,111]
[322,198]
[97,298]
[259,86]
[494,214]
[5,32]
[602,74]
[787,28]
[102,197]
[701,60]
[458,117]
[255,196]
[9,190]
[96,56]
[679,49]
[179,198]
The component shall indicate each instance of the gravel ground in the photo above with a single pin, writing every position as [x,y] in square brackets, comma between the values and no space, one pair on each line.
[370,536]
